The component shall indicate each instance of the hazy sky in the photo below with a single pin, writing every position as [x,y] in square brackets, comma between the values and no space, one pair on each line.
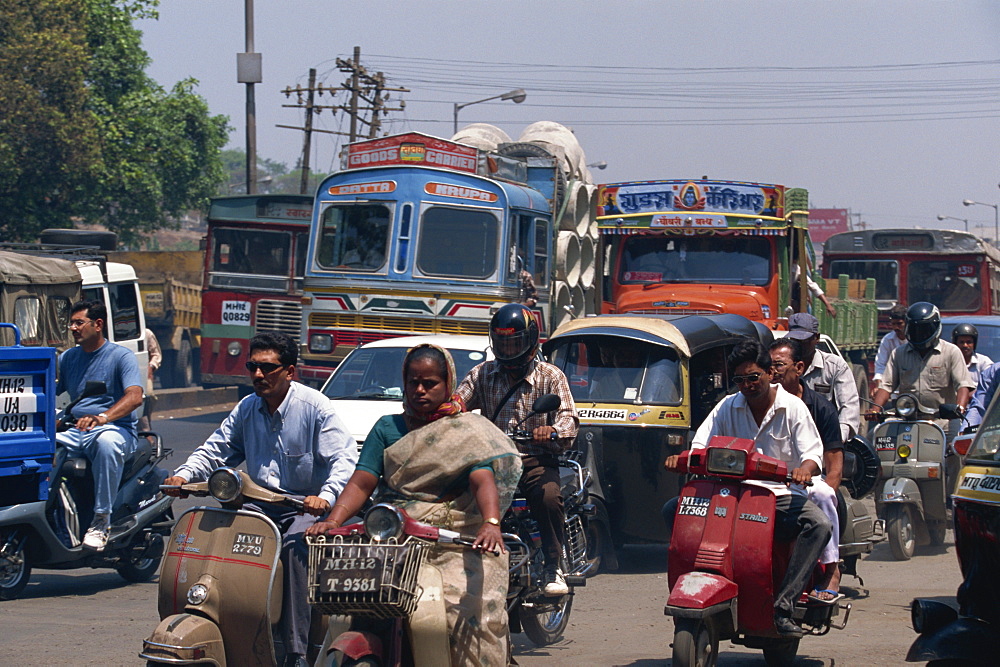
[887,108]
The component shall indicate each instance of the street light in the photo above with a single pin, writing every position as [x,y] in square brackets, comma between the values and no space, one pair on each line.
[598,165]
[996,216]
[515,96]
[948,217]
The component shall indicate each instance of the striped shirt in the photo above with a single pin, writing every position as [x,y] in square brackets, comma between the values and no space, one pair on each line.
[487,383]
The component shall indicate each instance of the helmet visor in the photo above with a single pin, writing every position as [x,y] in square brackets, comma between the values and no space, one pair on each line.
[508,346]
[923,333]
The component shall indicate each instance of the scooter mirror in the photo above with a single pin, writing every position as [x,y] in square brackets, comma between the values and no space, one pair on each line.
[93,388]
[949,411]
[546,403]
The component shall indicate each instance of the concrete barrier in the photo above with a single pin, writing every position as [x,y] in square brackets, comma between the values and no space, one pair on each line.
[194,397]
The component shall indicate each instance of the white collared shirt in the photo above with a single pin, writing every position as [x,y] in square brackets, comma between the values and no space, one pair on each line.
[787,432]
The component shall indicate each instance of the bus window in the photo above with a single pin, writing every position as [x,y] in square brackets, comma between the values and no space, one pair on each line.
[951,285]
[442,230]
[885,273]
[355,237]
[251,251]
[541,252]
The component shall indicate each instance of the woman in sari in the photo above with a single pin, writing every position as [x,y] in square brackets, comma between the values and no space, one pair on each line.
[455,470]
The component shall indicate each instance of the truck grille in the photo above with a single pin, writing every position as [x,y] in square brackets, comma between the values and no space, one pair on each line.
[416,325]
[283,316]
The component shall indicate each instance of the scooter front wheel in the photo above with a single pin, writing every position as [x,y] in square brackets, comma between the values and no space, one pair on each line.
[902,535]
[15,570]
[696,643]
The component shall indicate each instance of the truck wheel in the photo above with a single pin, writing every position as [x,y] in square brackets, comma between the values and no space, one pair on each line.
[781,654]
[15,570]
[861,380]
[696,643]
[902,536]
[183,371]
[547,627]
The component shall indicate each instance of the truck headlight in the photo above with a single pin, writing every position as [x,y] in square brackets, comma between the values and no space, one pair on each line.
[726,461]
[234,349]
[321,343]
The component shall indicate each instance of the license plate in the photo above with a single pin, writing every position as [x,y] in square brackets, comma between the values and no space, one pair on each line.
[350,575]
[885,442]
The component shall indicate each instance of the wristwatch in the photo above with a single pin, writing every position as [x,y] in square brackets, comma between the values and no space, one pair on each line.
[495,521]
[104,415]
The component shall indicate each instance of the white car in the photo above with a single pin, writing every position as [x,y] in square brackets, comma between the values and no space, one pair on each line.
[368,383]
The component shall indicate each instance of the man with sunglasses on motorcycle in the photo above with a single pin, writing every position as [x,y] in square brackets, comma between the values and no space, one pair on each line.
[781,426]
[293,443]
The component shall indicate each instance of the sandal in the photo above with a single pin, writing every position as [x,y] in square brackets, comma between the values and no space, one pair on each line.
[834,596]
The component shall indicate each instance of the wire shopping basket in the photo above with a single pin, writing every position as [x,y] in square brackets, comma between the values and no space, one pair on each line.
[356,576]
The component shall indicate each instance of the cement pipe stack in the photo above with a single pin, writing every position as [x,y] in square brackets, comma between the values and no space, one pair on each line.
[575,292]
[576,236]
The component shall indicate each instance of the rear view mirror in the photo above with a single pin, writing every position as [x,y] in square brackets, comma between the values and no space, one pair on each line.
[546,403]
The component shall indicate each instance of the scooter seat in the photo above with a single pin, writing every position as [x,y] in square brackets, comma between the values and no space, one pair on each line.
[76,466]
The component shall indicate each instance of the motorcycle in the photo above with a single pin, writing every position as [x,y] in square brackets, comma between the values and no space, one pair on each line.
[47,532]
[718,591]
[220,589]
[543,619]
[967,636]
[913,502]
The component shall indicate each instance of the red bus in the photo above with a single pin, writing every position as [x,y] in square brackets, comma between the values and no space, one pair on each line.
[254,263]
[956,271]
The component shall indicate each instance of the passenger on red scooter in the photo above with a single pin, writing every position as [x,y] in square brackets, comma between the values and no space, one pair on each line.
[452,469]
[786,368]
[782,428]
[292,442]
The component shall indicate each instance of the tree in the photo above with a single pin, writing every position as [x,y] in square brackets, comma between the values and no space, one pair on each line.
[85,135]
[273,177]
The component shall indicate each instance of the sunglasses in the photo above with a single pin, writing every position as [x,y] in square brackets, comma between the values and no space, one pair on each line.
[265,367]
[746,379]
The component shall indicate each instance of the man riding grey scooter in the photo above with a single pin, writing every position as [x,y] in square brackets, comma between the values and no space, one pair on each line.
[105,433]
[293,442]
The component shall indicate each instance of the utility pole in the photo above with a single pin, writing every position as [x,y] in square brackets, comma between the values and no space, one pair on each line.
[362,87]
[248,71]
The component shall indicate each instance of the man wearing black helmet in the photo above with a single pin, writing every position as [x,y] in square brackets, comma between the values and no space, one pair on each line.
[927,367]
[504,390]
[966,337]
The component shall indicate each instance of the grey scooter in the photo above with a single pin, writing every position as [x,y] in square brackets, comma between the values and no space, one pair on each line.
[47,533]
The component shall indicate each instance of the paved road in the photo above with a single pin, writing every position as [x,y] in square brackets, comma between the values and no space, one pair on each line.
[93,617]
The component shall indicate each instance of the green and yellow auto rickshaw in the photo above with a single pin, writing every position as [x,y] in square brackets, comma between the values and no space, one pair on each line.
[642,384]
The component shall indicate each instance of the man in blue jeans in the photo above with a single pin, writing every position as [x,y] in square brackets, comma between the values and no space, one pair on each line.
[105,427]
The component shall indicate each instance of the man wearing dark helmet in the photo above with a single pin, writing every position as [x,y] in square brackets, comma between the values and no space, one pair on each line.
[931,369]
[966,337]
[504,390]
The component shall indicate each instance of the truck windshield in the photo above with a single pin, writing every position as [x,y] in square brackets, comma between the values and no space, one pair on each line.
[442,230]
[354,237]
[744,260]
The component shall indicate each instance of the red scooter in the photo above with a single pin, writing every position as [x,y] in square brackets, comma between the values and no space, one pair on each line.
[725,563]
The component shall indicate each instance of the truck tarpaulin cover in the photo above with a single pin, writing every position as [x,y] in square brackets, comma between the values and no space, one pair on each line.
[35,294]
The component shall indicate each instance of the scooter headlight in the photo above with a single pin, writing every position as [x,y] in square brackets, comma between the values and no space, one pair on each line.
[225,485]
[904,451]
[906,406]
[384,522]
[726,461]
[197,594]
